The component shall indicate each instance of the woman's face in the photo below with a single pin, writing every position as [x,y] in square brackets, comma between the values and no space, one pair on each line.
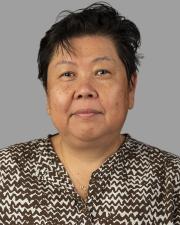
[87,92]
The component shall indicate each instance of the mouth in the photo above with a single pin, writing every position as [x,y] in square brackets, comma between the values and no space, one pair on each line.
[86,113]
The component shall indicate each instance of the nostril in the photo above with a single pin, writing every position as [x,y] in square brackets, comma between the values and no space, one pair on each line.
[88,96]
[85,92]
[85,96]
[79,96]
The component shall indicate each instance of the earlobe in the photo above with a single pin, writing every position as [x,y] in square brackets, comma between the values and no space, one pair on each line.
[48,111]
[131,104]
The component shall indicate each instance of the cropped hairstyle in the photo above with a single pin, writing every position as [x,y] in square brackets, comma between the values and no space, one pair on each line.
[99,18]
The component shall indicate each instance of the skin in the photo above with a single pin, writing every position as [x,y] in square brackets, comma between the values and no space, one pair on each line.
[93,77]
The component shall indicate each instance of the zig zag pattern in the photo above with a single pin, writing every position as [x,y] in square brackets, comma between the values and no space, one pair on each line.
[137,185]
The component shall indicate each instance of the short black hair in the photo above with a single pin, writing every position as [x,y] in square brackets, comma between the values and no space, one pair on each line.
[99,18]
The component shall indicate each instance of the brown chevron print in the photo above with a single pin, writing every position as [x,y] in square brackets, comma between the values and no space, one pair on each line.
[138,185]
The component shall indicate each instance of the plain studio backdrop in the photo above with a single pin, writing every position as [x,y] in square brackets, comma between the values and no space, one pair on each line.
[155,117]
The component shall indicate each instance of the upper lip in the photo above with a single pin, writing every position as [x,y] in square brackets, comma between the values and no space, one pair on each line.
[86,111]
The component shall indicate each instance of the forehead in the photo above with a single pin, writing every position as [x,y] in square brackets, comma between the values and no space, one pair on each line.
[87,48]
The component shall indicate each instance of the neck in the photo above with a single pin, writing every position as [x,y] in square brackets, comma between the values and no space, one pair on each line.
[90,153]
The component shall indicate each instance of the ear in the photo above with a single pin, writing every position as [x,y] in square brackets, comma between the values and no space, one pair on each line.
[48,106]
[131,90]
[48,110]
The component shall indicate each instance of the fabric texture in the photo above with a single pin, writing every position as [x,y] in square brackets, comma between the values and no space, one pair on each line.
[138,185]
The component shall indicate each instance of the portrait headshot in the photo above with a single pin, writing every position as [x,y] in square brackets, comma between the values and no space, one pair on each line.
[89,113]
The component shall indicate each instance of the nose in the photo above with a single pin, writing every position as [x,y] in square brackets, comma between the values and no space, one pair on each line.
[85,90]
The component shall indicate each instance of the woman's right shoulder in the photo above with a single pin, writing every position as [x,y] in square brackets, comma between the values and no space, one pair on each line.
[20,152]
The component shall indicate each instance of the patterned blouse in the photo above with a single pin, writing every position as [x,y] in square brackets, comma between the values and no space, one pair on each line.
[138,185]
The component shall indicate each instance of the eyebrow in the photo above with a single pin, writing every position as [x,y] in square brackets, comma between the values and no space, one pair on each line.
[101,58]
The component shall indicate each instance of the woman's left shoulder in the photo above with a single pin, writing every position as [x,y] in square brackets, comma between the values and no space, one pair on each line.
[155,156]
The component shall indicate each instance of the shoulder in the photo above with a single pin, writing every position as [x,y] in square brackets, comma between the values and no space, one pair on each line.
[160,160]
[153,151]
[20,153]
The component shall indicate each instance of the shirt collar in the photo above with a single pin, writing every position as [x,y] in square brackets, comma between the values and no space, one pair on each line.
[49,167]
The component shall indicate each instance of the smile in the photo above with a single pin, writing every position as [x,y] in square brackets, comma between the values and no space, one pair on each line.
[86,113]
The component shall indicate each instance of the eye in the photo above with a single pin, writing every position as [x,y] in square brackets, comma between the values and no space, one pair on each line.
[102,72]
[67,75]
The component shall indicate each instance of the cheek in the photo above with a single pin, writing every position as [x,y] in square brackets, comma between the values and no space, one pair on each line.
[116,99]
[121,101]
[58,100]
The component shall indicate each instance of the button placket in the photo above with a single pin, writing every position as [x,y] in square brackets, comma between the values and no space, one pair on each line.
[84,208]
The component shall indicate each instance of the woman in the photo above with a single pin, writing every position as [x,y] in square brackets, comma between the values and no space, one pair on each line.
[89,172]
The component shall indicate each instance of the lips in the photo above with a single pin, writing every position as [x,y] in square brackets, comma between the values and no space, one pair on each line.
[86,112]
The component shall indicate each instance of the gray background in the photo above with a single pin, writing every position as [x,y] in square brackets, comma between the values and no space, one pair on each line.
[155,117]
